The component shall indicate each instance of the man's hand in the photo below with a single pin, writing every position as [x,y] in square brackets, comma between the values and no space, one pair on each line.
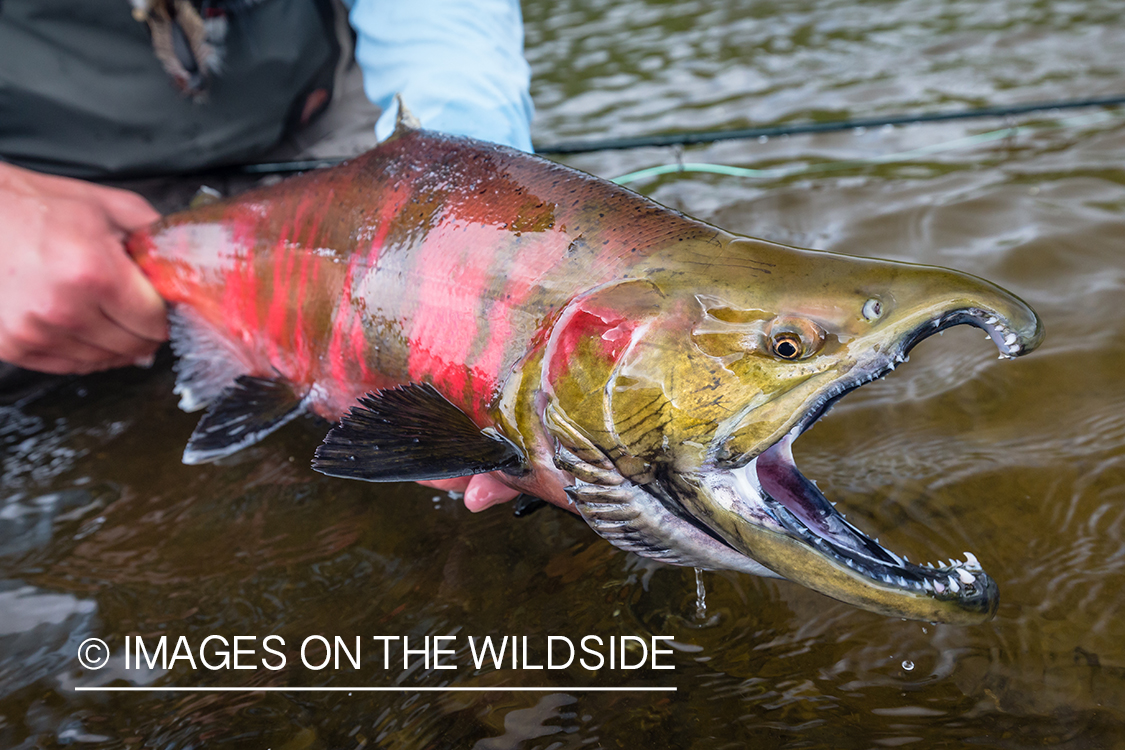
[481,490]
[71,300]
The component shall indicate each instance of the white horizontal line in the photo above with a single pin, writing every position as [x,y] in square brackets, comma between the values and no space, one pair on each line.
[365,689]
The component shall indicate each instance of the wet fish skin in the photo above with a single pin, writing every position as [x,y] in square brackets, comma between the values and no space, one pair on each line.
[634,358]
[429,258]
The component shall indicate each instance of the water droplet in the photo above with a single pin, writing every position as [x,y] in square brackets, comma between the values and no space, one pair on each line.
[700,596]
[908,665]
[763,139]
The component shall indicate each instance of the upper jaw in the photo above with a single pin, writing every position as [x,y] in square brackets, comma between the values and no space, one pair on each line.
[894,345]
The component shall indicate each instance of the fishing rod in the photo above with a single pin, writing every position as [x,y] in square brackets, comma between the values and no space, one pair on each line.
[711,136]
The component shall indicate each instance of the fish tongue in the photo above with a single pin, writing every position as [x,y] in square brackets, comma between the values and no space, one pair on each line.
[782,481]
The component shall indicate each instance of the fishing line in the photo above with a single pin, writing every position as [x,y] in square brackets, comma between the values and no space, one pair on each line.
[901,156]
[712,136]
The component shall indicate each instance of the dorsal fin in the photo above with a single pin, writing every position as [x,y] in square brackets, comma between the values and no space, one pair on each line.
[205,196]
[410,433]
[406,121]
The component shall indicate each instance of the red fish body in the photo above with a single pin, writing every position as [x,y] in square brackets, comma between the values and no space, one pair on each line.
[430,259]
[495,312]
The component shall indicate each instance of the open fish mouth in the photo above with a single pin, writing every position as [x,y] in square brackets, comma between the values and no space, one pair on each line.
[799,509]
[761,515]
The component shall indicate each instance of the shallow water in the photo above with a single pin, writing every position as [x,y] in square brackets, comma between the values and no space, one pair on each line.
[104,533]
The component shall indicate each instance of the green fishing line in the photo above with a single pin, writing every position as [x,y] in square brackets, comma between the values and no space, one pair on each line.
[901,156]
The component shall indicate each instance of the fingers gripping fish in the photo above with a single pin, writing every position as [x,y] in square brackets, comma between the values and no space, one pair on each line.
[460,308]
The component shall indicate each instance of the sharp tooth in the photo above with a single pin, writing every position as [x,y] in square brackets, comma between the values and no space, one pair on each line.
[939,587]
[927,585]
[1010,339]
[953,586]
[971,561]
[965,576]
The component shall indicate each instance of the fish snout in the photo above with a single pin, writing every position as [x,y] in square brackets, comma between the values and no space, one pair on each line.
[952,298]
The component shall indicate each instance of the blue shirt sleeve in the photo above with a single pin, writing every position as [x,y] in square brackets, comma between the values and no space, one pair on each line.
[458,65]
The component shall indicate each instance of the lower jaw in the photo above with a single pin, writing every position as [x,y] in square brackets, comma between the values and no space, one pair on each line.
[796,543]
[723,519]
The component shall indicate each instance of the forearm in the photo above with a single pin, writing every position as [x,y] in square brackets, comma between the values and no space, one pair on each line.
[458,65]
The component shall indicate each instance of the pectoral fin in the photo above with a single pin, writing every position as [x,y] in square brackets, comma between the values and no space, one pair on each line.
[242,415]
[411,433]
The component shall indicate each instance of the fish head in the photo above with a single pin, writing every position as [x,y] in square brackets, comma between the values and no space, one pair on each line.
[674,398]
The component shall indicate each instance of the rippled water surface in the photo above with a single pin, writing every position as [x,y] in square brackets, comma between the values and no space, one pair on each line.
[104,533]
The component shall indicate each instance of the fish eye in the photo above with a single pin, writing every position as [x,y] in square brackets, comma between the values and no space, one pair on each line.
[872,309]
[792,337]
[787,346]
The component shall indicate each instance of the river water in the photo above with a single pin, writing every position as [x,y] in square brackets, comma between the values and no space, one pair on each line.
[104,533]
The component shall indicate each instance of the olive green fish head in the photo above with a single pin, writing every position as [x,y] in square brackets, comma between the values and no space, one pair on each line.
[675,396]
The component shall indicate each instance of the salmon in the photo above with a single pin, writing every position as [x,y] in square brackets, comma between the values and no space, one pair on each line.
[456,308]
